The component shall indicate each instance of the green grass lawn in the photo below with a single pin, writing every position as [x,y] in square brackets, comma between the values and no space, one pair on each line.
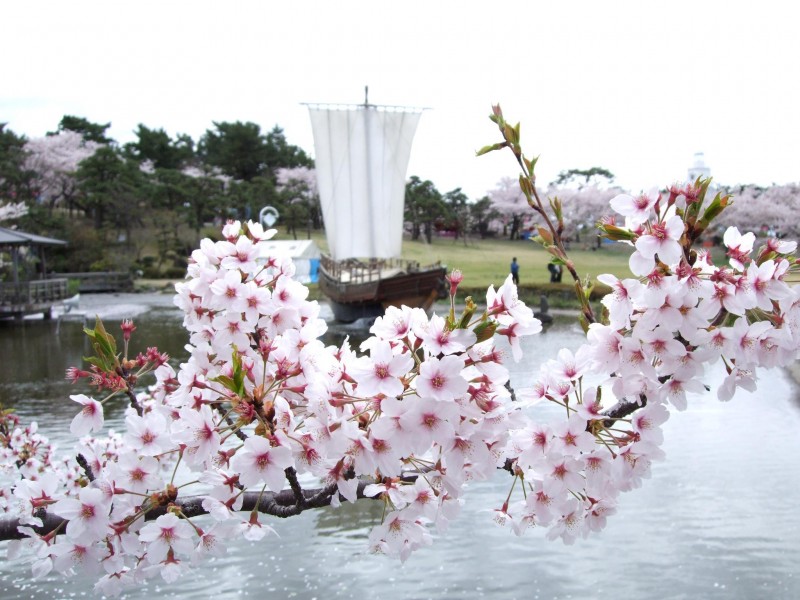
[486,262]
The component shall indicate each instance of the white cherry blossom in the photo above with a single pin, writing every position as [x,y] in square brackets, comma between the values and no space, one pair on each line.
[166,534]
[662,240]
[638,209]
[380,373]
[87,514]
[89,419]
[441,379]
[259,463]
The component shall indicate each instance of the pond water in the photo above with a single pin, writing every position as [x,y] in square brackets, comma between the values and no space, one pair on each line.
[718,519]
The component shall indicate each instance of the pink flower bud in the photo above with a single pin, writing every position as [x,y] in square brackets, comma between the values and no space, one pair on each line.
[128,328]
[454,278]
[74,374]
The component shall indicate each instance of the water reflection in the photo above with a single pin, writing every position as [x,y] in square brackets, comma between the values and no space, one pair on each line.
[717,520]
[37,353]
[348,519]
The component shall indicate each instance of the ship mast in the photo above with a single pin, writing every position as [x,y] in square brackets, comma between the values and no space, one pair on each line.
[368,171]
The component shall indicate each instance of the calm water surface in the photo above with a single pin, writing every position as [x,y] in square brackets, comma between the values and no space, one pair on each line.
[718,519]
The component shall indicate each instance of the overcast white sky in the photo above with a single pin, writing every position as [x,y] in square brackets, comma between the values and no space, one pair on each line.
[635,87]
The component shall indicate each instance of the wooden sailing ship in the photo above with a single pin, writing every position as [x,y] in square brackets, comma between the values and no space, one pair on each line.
[361,156]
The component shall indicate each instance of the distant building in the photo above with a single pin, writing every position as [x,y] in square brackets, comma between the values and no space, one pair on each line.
[698,168]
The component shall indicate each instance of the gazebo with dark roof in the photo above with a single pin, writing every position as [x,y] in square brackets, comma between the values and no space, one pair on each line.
[22,296]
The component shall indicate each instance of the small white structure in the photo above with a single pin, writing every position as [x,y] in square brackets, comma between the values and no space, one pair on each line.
[698,168]
[304,253]
[268,216]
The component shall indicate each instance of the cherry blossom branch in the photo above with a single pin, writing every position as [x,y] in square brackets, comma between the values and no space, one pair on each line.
[527,180]
[622,409]
[428,387]
[282,504]
[132,397]
[527,184]
[551,234]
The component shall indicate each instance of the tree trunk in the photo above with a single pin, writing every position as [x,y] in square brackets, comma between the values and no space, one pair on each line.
[514,235]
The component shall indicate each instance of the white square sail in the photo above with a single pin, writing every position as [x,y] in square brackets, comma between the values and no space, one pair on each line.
[361,157]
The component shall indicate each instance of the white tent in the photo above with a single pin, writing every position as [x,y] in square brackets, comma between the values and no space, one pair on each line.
[304,253]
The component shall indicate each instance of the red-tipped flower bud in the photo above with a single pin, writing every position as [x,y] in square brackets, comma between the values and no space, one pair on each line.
[455,277]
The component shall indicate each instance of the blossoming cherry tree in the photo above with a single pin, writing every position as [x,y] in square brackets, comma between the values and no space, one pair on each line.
[213,450]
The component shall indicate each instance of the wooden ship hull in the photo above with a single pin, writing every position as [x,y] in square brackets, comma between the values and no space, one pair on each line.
[365,289]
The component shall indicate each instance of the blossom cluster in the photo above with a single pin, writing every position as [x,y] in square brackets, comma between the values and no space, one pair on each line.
[263,404]
[264,418]
[680,313]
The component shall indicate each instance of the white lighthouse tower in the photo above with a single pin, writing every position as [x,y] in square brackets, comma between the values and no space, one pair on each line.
[698,168]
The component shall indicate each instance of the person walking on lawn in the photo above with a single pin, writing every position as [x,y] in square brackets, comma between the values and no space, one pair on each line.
[515,271]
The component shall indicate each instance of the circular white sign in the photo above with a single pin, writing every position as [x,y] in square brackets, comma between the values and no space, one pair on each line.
[268,216]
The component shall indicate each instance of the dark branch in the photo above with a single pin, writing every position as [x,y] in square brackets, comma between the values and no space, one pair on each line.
[282,504]
[84,464]
[129,390]
[237,431]
[134,402]
[291,477]
[622,409]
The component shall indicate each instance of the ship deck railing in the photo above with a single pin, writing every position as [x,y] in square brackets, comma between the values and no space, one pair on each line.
[354,270]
